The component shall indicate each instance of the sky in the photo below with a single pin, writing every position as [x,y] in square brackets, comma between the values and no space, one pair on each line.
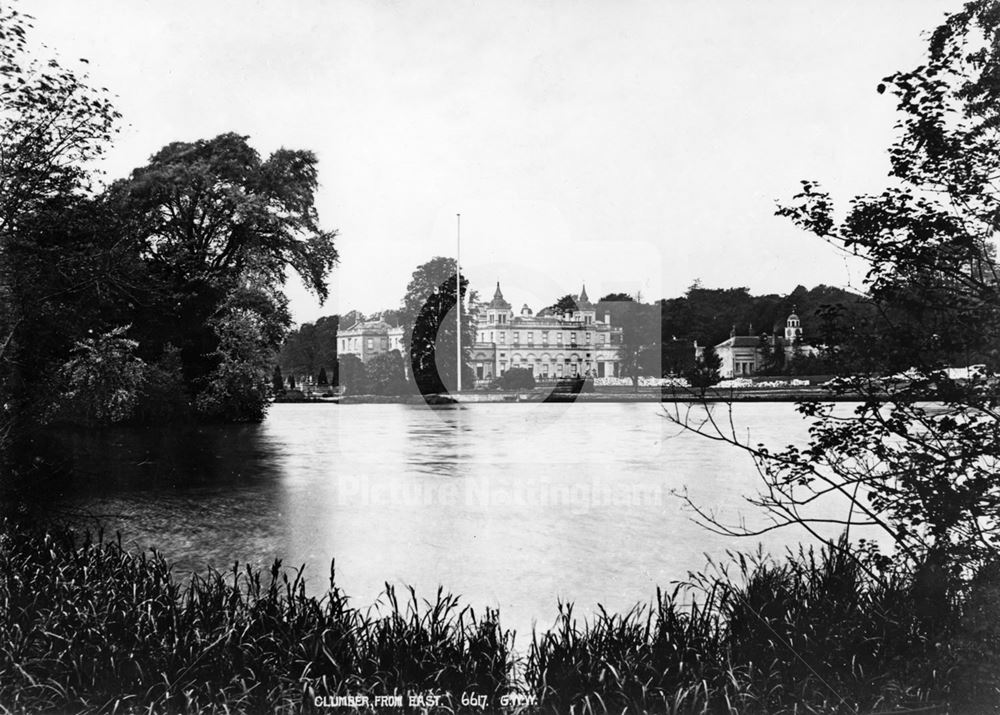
[635,145]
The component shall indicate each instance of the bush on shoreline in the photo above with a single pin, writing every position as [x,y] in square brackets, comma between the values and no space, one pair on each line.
[88,626]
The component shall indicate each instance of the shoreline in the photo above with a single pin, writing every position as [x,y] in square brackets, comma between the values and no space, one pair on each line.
[646,395]
[310,654]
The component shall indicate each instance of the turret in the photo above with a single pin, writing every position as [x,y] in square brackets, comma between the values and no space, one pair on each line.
[584,308]
[498,310]
[793,328]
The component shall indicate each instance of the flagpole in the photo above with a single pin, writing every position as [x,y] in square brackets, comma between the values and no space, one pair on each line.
[458,299]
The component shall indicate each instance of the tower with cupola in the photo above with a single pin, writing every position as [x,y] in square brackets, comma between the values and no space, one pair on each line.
[793,328]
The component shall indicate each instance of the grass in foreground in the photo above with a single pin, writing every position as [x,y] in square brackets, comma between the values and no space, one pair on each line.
[86,626]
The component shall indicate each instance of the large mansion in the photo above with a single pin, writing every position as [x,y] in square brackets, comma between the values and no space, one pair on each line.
[549,344]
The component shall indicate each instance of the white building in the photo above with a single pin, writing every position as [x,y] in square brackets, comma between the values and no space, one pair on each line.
[368,338]
[743,355]
[549,345]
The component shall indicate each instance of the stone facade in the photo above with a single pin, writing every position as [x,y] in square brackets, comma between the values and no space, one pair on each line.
[550,345]
[369,338]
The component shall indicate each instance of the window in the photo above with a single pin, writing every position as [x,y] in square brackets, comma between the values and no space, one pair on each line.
[491,336]
[385,343]
[503,337]
[588,338]
[545,337]
[371,343]
[517,337]
[531,338]
[559,337]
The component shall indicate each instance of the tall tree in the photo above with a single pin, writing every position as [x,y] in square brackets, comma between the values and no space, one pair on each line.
[212,209]
[327,329]
[926,476]
[430,327]
[218,227]
[52,125]
[640,349]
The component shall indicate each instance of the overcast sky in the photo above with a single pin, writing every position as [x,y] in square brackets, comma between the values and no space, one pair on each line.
[635,145]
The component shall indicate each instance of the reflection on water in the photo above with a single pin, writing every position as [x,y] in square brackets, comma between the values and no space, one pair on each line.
[509,505]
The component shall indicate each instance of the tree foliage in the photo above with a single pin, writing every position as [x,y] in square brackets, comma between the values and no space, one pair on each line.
[312,347]
[103,379]
[385,374]
[213,210]
[430,327]
[617,298]
[918,455]
[705,371]
[51,124]
[640,350]
[566,304]
[238,388]
[352,375]
[190,245]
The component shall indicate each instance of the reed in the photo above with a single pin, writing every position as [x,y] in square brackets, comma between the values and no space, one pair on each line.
[816,632]
[88,626]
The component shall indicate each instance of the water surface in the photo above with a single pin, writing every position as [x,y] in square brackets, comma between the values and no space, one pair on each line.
[511,506]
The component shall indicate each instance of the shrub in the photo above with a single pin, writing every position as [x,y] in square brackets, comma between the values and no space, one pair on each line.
[103,379]
[517,378]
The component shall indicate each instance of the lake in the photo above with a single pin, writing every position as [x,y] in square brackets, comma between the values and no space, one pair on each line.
[510,506]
